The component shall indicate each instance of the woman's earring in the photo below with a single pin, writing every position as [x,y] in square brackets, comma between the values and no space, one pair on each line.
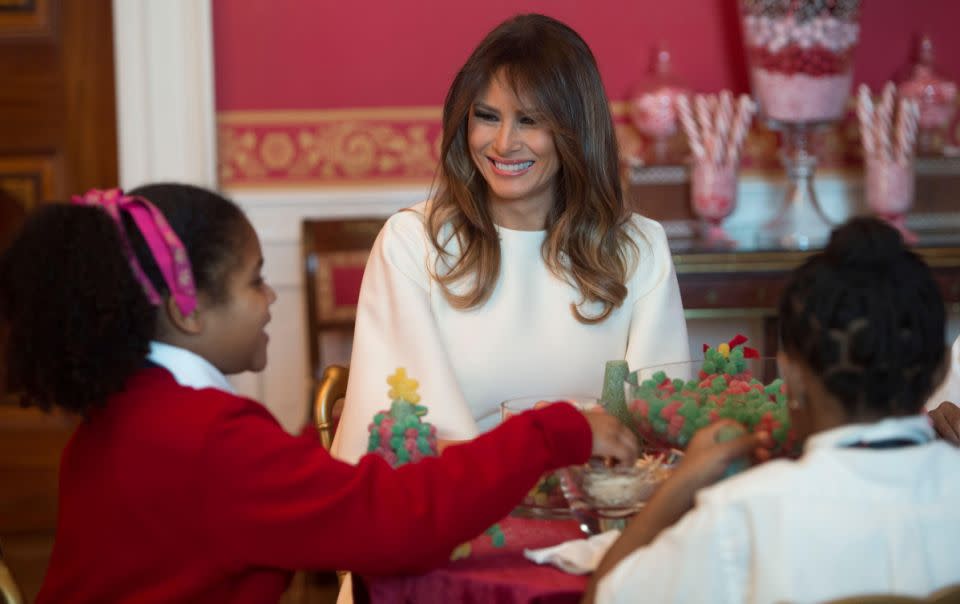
[795,403]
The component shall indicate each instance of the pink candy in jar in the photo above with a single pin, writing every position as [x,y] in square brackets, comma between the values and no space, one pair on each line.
[714,194]
[889,191]
[800,56]
[935,95]
[652,104]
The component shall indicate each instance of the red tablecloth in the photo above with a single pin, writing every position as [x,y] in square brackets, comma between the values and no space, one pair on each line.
[491,575]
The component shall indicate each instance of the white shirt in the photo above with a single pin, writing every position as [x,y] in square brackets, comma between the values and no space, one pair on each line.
[188,368]
[838,522]
[523,341]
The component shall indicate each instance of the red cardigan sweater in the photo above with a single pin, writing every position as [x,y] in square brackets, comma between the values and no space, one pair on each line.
[171,494]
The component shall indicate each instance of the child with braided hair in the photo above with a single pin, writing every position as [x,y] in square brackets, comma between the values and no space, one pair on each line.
[130,310]
[870,506]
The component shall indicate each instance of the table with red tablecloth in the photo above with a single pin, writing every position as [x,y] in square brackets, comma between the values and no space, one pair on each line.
[496,575]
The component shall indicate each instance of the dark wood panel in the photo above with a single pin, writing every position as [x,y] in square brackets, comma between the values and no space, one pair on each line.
[57,136]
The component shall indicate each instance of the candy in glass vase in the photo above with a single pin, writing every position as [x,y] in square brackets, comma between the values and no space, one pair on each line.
[652,107]
[935,95]
[800,61]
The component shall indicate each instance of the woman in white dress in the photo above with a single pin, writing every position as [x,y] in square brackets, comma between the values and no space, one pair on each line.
[524,273]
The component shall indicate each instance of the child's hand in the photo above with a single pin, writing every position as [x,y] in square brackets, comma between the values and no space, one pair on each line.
[707,457]
[946,421]
[611,438]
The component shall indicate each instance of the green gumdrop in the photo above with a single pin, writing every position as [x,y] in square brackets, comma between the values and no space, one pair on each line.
[396,442]
[397,430]
[423,445]
[659,376]
[378,419]
[412,422]
[403,456]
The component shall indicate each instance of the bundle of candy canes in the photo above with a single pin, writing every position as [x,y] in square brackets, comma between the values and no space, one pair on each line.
[889,129]
[716,125]
[667,411]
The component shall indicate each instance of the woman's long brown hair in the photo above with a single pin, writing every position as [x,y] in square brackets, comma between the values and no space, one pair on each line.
[587,244]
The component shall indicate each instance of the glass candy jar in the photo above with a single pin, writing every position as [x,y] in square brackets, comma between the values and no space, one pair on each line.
[935,95]
[652,107]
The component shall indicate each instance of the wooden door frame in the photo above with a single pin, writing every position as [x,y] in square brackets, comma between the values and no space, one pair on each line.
[166,119]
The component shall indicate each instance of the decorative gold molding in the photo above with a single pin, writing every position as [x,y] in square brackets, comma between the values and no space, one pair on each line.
[383,146]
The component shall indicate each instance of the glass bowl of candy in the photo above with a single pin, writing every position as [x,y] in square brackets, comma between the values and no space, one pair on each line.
[602,497]
[800,56]
[669,403]
[545,499]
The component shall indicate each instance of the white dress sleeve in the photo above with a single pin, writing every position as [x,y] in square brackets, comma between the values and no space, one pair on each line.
[949,390]
[658,328]
[705,557]
[395,328]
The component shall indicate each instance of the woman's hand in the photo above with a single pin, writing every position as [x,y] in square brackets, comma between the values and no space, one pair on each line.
[611,438]
[946,421]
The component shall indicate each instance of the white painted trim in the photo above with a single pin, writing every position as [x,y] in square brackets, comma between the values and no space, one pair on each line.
[166,122]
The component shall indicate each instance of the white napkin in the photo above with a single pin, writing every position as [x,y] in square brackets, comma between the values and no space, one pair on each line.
[577,557]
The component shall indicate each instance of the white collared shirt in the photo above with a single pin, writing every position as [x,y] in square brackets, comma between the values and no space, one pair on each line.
[188,368]
[838,522]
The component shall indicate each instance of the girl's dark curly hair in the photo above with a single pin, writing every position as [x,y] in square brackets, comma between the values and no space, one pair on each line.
[78,322]
[867,317]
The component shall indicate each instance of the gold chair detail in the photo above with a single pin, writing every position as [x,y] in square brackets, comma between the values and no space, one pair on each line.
[332,388]
[9,592]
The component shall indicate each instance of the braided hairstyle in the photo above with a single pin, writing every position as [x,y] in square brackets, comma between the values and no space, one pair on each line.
[78,323]
[867,317]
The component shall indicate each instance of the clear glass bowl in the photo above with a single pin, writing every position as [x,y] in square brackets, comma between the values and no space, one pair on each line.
[669,403]
[545,499]
[602,497]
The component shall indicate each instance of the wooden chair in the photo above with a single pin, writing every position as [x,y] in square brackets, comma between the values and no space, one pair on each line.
[334,256]
[332,389]
[9,593]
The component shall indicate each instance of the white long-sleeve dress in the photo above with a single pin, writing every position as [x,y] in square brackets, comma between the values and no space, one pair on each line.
[523,341]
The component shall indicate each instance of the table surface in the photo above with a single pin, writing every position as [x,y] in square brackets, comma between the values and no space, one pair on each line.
[491,574]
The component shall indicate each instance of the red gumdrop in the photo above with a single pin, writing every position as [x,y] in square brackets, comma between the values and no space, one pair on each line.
[411,433]
[640,406]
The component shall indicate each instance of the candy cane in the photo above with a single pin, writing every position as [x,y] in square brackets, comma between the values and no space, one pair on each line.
[865,116]
[690,127]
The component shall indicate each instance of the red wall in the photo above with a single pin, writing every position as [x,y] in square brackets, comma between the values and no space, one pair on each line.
[287,55]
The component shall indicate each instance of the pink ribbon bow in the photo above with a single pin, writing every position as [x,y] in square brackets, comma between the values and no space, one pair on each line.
[166,248]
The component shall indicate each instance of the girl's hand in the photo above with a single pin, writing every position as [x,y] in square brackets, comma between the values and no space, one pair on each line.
[946,421]
[707,457]
[611,438]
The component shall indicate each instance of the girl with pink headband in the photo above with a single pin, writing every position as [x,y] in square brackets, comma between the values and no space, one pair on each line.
[130,310]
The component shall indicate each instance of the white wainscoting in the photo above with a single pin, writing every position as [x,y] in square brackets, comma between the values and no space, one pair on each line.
[277,215]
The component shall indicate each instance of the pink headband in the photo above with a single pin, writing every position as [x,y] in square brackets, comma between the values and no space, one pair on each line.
[165,247]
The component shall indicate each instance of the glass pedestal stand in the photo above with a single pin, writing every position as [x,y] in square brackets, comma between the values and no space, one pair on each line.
[800,223]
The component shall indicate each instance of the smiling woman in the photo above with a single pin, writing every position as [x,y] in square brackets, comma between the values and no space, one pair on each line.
[524,273]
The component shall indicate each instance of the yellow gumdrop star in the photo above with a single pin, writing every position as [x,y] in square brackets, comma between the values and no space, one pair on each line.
[402,387]
[724,349]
